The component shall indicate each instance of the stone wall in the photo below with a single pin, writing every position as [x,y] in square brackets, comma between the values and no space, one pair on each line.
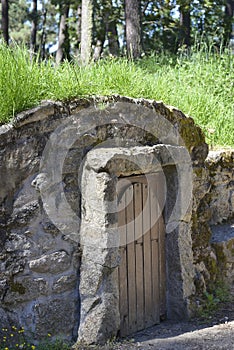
[221,171]
[213,220]
[38,265]
[42,156]
[221,202]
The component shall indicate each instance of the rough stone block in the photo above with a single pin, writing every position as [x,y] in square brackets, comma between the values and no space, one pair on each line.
[65,283]
[56,316]
[24,289]
[51,263]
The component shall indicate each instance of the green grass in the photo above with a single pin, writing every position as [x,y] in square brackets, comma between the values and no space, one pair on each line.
[201,84]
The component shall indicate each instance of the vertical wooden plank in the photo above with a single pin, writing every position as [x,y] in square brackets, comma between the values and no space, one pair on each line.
[147,259]
[162,247]
[162,268]
[139,255]
[131,263]
[123,283]
[154,212]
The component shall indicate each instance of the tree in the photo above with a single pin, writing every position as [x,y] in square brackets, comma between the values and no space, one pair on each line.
[207,21]
[5,21]
[228,20]
[48,26]
[160,26]
[111,28]
[78,28]
[63,50]
[104,30]
[185,23]
[19,21]
[43,32]
[86,31]
[99,28]
[34,17]
[133,28]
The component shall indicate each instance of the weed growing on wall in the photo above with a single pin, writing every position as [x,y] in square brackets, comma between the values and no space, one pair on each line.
[212,300]
[199,83]
[13,338]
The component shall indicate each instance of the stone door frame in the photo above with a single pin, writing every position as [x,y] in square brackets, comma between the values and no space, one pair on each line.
[98,289]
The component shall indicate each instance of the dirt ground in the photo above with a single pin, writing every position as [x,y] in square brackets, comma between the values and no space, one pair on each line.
[216,333]
[183,337]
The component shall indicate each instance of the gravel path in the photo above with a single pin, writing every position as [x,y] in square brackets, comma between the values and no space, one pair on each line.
[185,336]
[217,333]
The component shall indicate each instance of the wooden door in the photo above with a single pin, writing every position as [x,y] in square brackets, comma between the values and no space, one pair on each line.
[142,269]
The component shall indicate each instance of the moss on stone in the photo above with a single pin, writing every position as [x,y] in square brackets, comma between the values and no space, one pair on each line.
[192,136]
[230,246]
[198,171]
[17,287]
[201,233]
[212,267]
[222,259]
[220,159]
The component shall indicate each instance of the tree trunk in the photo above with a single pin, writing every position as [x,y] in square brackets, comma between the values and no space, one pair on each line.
[43,34]
[5,21]
[229,21]
[86,31]
[98,50]
[63,50]
[33,36]
[111,29]
[133,28]
[185,25]
[78,28]
[112,36]
[99,31]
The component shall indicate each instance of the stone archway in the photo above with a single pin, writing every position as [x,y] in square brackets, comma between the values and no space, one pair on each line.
[99,290]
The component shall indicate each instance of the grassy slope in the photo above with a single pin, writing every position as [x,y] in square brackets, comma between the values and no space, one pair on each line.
[201,85]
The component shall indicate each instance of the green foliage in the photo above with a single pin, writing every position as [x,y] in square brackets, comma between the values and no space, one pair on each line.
[160,26]
[200,83]
[208,19]
[56,345]
[212,300]
[19,26]
[210,305]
